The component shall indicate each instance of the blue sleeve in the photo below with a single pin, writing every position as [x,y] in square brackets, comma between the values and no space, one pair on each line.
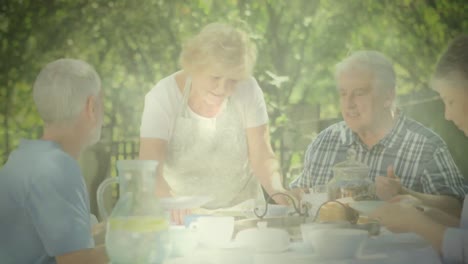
[57,204]
[455,246]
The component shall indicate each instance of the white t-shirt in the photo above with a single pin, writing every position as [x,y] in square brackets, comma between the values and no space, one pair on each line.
[163,103]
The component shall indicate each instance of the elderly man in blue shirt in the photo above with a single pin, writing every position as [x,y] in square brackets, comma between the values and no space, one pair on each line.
[44,204]
[447,234]
[404,157]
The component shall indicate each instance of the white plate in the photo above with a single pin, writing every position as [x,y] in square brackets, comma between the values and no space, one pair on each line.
[184,202]
[366,207]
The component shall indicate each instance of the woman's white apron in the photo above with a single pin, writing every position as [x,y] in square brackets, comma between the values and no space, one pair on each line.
[209,156]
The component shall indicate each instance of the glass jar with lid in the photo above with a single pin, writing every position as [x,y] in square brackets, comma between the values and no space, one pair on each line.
[351,179]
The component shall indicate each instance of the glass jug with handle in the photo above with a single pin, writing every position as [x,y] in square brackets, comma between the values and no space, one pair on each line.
[129,173]
[137,228]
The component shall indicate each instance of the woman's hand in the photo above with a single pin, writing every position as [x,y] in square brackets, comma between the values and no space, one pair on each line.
[403,217]
[295,195]
[442,217]
[178,216]
[408,199]
[432,213]
[398,217]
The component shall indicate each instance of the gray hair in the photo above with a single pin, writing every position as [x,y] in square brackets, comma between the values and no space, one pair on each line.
[62,88]
[374,63]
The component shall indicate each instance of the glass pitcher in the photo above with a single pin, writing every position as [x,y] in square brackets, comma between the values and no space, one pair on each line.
[351,179]
[137,228]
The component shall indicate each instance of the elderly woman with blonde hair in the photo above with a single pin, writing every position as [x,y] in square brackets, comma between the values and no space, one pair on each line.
[207,123]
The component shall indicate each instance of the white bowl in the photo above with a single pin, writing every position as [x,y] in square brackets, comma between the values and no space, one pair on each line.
[309,227]
[334,243]
[183,240]
[214,231]
[263,239]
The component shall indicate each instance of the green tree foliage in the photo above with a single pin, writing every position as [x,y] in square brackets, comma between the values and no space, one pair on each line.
[133,44]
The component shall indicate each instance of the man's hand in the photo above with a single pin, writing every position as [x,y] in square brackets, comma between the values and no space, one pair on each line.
[389,186]
[98,232]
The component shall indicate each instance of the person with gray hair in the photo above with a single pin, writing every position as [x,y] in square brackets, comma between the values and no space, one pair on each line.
[447,234]
[404,157]
[43,198]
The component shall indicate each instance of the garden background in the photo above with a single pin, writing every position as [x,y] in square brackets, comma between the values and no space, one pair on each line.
[134,43]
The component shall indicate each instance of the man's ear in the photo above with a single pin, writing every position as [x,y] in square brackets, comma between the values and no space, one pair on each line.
[389,99]
[90,107]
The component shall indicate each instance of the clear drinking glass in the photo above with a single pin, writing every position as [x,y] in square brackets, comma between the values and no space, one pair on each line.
[317,196]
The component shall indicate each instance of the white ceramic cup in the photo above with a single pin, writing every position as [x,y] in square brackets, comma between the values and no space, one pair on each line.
[336,243]
[214,231]
[263,239]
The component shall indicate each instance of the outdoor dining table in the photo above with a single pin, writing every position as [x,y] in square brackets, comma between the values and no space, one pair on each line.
[385,248]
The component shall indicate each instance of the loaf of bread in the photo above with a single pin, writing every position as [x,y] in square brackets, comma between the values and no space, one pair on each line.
[334,211]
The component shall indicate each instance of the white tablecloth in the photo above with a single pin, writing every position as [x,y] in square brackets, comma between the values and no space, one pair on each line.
[386,248]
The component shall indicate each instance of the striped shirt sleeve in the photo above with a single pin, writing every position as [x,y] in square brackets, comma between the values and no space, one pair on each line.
[319,159]
[442,176]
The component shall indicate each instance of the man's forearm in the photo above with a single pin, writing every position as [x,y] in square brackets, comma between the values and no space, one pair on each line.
[93,255]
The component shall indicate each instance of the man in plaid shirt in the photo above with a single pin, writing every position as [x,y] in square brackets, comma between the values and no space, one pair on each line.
[404,157]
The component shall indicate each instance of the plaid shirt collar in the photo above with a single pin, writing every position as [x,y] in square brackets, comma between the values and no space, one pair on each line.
[348,137]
